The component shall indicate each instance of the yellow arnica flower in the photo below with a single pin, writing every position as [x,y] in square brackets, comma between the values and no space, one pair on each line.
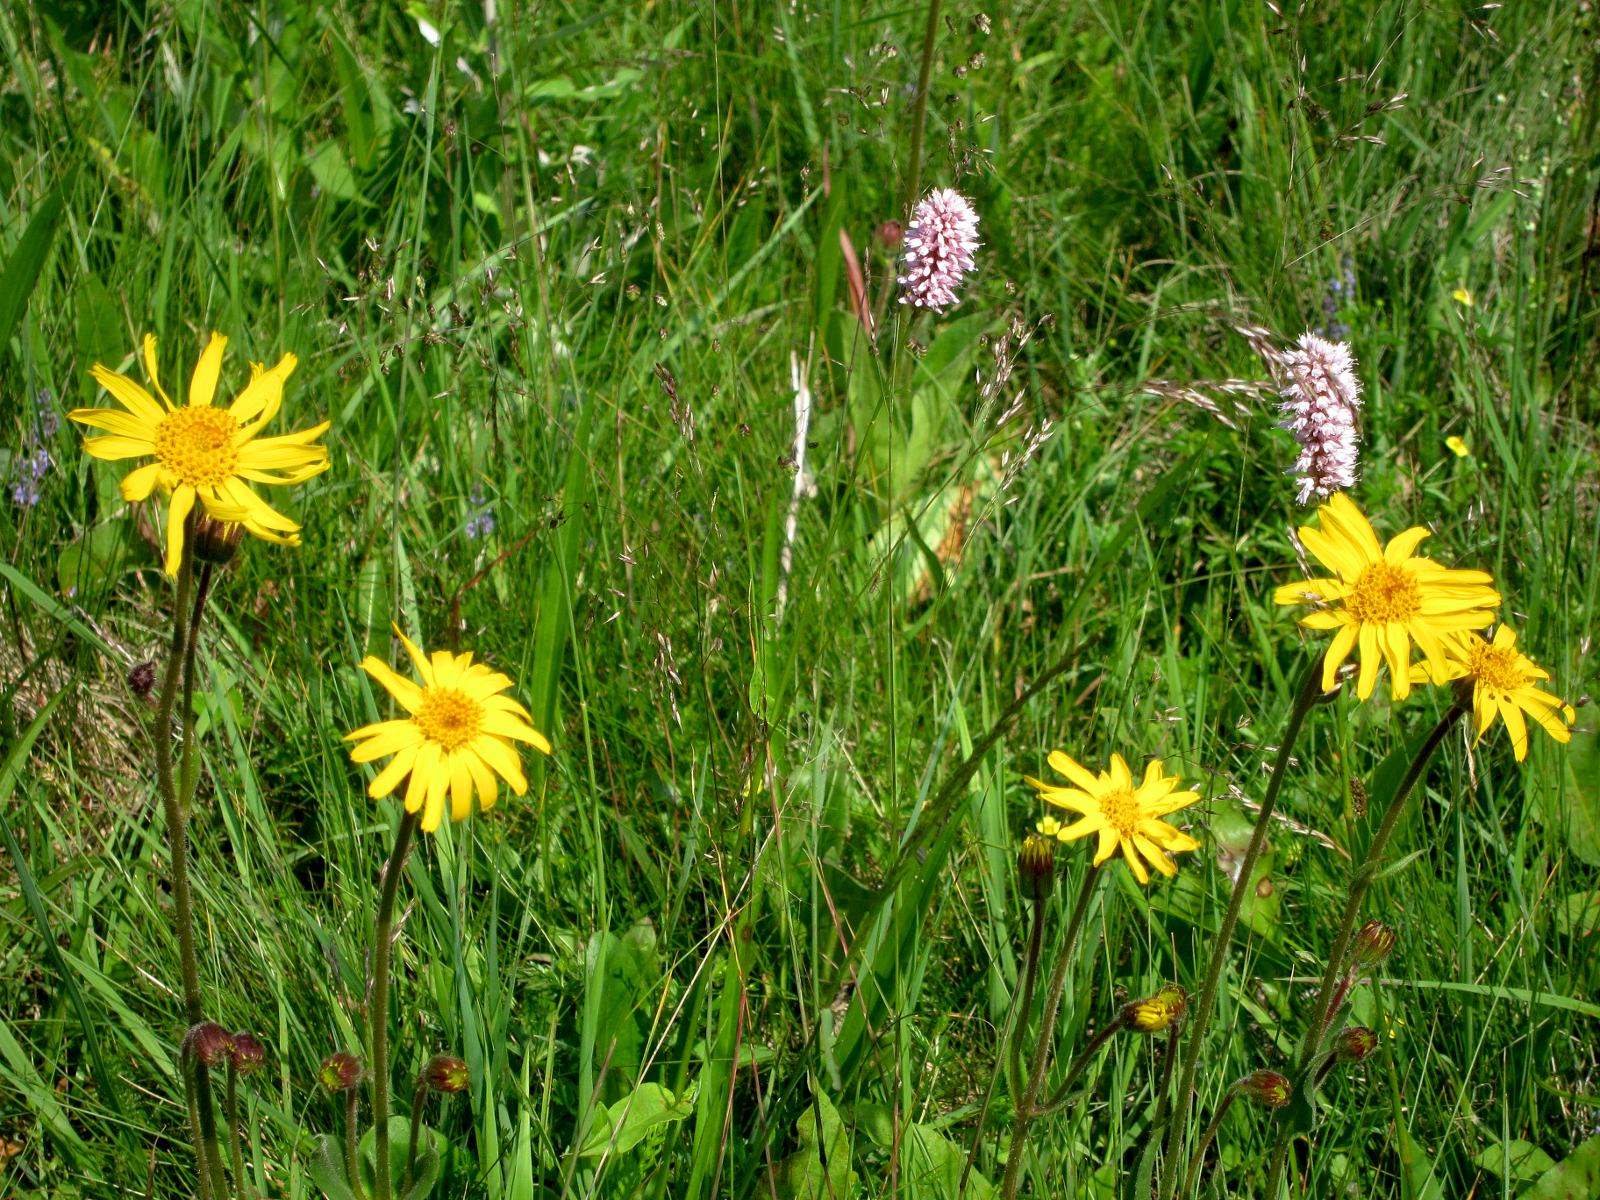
[1384,599]
[205,452]
[456,739]
[1122,813]
[1502,685]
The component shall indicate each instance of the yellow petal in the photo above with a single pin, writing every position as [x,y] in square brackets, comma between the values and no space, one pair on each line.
[262,395]
[140,482]
[1107,846]
[399,767]
[407,693]
[1072,770]
[129,394]
[1518,728]
[115,420]
[1338,650]
[1370,659]
[1335,553]
[114,448]
[177,512]
[424,667]
[1341,517]
[426,766]
[1157,859]
[1396,648]
[1402,544]
[1121,777]
[1134,864]
[483,778]
[203,384]
[460,787]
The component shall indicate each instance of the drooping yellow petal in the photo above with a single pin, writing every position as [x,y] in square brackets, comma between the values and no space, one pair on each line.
[177,512]
[138,483]
[399,767]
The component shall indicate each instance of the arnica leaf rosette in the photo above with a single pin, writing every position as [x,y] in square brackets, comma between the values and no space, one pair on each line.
[1503,681]
[1124,814]
[202,452]
[1382,598]
[455,740]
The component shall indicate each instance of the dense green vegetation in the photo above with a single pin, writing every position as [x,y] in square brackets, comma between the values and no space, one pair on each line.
[555,274]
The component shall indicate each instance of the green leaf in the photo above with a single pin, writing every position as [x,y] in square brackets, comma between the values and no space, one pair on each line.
[1577,1177]
[1578,915]
[820,1168]
[648,1108]
[928,1159]
[430,1144]
[325,1165]
[27,260]
[1527,1160]
[100,333]
[1582,814]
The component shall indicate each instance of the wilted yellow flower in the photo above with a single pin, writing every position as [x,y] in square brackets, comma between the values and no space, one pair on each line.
[1156,1013]
[457,738]
[1124,815]
[204,452]
[1458,445]
[1462,296]
[1385,598]
[1502,685]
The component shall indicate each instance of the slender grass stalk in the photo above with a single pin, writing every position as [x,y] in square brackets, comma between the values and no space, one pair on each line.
[1311,1047]
[1310,691]
[378,1004]
[919,109]
[1041,1051]
[1205,1141]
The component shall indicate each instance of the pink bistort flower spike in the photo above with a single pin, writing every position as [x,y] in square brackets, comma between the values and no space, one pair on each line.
[938,250]
[1320,399]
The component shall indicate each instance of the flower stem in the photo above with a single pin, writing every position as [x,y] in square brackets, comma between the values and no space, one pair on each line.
[192,1103]
[1078,1067]
[1035,944]
[417,1101]
[211,1149]
[1169,1060]
[1359,884]
[1041,1048]
[177,833]
[186,769]
[352,1150]
[1305,698]
[919,110]
[378,1005]
[233,1130]
[1205,1141]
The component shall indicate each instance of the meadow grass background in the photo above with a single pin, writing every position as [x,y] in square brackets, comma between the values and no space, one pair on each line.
[555,265]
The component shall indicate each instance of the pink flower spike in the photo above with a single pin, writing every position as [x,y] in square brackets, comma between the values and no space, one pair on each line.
[938,250]
[1320,400]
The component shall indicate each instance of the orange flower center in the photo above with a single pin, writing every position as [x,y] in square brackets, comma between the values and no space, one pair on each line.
[449,717]
[1121,808]
[1384,593]
[1495,668]
[196,445]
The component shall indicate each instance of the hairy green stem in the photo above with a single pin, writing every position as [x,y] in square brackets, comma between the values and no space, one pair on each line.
[232,1108]
[378,1005]
[1205,1141]
[1078,1067]
[1169,1060]
[1310,691]
[417,1101]
[352,1147]
[1311,1047]
[1041,1049]
[211,1146]
[186,769]
[192,1103]
[1031,978]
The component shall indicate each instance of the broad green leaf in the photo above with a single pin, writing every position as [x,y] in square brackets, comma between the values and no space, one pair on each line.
[326,1166]
[1576,1177]
[430,1144]
[804,1175]
[625,1124]
[929,1160]
[1527,1160]
[27,260]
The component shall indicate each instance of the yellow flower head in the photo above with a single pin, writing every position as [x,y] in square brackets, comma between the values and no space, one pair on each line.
[205,452]
[1384,599]
[1156,1013]
[1122,813]
[456,739]
[1458,446]
[1502,685]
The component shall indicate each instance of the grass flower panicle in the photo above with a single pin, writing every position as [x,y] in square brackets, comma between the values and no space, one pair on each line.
[1320,399]
[1383,598]
[455,740]
[938,250]
[205,453]
[1125,815]
[1503,681]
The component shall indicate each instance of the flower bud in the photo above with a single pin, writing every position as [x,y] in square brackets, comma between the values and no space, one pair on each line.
[340,1072]
[890,234]
[248,1053]
[142,679]
[215,541]
[1374,943]
[209,1042]
[1156,1013]
[1354,1043]
[445,1074]
[1266,1087]
[1036,868]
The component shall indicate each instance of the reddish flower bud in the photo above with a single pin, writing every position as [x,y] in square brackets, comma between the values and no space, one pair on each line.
[446,1074]
[1374,943]
[1354,1043]
[1266,1087]
[209,1042]
[340,1072]
[248,1053]
[1036,868]
[142,679]
[890,234]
